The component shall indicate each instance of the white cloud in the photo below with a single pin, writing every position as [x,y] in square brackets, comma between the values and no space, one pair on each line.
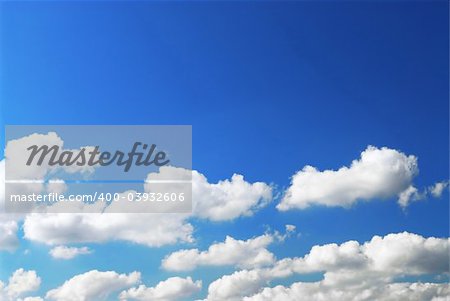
[64,252]
[380,173]
[348,265]
[172,289]
[241,253]
[228,199]
[237,285]
[93,286]
[382,256]
[20,283]
[407,253]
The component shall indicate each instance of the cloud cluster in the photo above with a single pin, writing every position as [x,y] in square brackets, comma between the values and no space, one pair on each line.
[222,201]
[235,198]
[301,291]
[348,267]
[351,270]
[93,285]
[97,285]
[379,173]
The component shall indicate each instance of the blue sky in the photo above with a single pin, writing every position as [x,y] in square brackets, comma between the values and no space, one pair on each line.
[268,88]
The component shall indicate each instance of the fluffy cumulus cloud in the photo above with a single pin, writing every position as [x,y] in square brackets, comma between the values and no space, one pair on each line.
[237,285]
[351,267]
[379,173]
[172,289]
[228,199]
[64,252]
[407,253]
[241,253]
[93,286]
[21,282]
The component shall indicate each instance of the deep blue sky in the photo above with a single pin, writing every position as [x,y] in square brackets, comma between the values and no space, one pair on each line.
[267,86]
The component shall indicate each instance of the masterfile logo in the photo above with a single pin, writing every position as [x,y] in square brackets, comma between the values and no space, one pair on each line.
[94,157]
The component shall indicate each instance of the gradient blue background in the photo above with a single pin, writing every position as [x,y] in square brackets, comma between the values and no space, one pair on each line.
[268,88]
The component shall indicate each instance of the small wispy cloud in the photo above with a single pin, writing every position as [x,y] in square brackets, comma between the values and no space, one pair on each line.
[64,252]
